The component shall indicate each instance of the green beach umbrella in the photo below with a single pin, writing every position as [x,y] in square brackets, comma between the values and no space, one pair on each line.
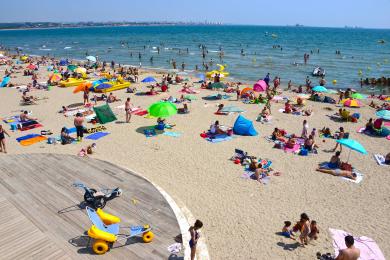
[353,145]
[72,67]
[384,114]
[358,96]
[320,89]
[162,109]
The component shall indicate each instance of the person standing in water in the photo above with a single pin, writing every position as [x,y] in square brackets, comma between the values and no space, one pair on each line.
[194,236]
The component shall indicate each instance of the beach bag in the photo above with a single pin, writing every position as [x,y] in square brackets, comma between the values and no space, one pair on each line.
[346,167]
[304,152]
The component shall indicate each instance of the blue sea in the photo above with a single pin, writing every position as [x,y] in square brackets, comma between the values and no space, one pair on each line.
[361,53]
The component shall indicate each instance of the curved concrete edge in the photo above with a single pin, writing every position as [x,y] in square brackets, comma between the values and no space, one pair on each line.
[183,216]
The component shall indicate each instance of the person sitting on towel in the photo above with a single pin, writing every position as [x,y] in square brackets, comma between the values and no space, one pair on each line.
[24,117]
[369,126]
[215,129]
[290,143]
[28,98]
[111,98]
[335,161]
[183,110]
[287,107]
[65,137]
[277,135]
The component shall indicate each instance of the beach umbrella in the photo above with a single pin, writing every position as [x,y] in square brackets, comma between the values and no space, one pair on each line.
[81,87]
[31,67]
[353,145]
[91,58]
[260,86]
[351,102]
[162,109]
[148,79]
[358,96]
[320,89]
[80,70]
[384,114]
[387,99]
[55,78]
[72,67]
[246,90]
[103,86]
[23,58]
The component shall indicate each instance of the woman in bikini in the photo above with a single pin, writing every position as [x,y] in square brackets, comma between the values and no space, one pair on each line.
[2,139]
[194,236]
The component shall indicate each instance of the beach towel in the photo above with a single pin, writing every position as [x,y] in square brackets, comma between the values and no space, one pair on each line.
[174,248]
[149,132]
[359,177]
[295,149]
[232,109]
[140,112]
[380,159]
[71,130]
[369,250]
[97,135]
[172,134]
[32,140]
[219,138]
[25,137]
[30,127]
[248,174]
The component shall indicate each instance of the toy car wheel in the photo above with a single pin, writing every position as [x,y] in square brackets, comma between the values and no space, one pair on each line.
[148,237]
[100,247]
[88,197]
[99,202]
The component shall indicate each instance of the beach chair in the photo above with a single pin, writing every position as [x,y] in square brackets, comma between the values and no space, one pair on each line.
[105,231]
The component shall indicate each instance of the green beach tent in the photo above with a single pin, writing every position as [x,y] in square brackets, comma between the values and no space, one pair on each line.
[104,114]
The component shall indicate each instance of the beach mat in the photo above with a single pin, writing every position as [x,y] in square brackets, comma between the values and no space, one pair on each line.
[292,150]
[30,127]
[380,159]
[26,137]
[219,138]
[97,136]
[172,134]
[369,249]
[33,140]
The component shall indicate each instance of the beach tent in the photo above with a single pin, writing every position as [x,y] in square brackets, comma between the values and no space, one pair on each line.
[104,114]
[260,86]
[243,126]
[218,85]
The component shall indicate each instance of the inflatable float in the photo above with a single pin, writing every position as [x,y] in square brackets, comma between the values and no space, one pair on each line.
[111,86]
[318,72]
[221,71]
[71,82]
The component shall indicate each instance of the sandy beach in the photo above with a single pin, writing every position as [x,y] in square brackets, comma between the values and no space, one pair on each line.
[241,217]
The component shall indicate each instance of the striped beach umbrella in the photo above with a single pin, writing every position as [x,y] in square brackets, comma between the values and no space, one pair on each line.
[351,102]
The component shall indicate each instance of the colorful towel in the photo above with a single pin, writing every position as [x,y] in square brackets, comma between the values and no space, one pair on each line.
[380,159]
[140,112]
[30,127]
[33,140]
[25,137]
[368,248]
[172,134]
[97,135]
[295,149]
[219,138]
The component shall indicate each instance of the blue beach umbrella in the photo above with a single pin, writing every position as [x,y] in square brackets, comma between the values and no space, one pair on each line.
[353,145]
[384,114]
[320,89]
[103,86]
[148,79]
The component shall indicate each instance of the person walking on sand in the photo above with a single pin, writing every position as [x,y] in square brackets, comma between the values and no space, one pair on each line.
[351,252]
[78,123]
[128,108]
[2,139]
[194,236]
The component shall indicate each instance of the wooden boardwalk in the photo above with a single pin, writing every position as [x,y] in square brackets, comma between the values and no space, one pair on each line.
[41,217]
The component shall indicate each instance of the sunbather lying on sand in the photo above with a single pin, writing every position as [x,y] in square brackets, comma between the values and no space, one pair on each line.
[338,172]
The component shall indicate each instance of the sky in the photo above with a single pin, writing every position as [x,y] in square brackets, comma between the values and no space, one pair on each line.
[326,13]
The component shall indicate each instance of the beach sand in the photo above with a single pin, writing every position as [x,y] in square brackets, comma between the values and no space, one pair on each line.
[241,217]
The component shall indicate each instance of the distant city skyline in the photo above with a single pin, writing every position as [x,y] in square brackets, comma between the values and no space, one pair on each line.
[331,13]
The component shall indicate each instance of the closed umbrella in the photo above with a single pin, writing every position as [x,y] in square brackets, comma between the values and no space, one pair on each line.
[162,109]
[320,89]
[91,58]
[384,114]
[260,86]
[353,145]
[148,79]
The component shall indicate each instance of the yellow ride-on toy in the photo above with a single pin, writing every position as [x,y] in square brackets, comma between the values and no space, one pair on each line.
[105,231]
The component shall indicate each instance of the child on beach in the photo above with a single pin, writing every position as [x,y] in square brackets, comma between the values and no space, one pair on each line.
[313,235]
[305,129]
[286,231]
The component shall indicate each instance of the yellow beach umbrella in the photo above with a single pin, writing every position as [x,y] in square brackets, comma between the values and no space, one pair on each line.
[351,102]
[80,70]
